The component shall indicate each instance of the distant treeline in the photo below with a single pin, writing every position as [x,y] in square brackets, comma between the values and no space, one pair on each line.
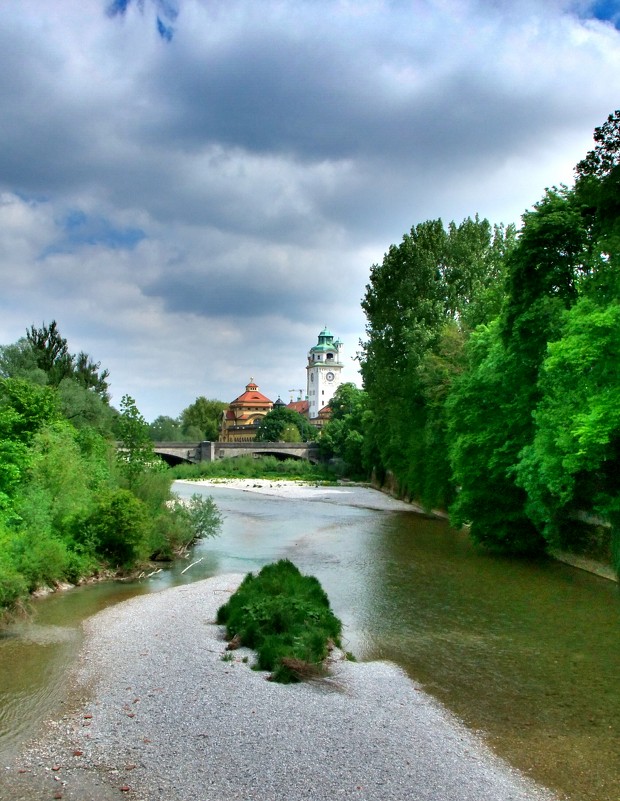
[491,369]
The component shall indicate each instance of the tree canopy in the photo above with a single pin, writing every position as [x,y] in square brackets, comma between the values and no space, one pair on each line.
[284,425]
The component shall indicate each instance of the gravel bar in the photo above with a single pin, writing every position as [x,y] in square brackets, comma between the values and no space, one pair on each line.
[156,713]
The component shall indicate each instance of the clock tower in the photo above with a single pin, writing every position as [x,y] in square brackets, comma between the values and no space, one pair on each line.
[324,367]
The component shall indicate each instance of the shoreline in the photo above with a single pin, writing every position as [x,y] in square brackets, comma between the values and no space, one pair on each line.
[155,713]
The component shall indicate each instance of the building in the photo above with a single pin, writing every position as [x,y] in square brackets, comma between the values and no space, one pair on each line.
[323,371]
[240,421]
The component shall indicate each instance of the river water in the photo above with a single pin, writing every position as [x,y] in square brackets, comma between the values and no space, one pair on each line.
[526,653]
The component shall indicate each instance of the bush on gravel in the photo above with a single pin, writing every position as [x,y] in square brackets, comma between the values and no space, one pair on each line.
[286,618]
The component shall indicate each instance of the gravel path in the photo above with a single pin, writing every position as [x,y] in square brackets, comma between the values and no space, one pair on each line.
[157,714]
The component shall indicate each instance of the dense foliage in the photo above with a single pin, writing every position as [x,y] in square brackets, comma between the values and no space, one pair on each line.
[286,618]
[491,369]
[421,304]
[71,503]
[342,438]
[199,421]
[282,424]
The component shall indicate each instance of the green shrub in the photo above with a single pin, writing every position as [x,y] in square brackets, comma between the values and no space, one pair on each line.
[153,489]
[285,617]
[40,558]
[12,585]
[182,523]
[119,527]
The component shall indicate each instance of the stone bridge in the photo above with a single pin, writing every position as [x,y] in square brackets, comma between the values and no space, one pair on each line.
[194,452]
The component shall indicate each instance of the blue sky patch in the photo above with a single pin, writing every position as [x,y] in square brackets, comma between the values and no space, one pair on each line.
[605,10]
[167,12]
[79,230]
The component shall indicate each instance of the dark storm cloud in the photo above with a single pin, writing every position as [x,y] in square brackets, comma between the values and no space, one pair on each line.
[325,98]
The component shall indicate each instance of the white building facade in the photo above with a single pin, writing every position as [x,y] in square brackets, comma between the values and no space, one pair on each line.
[324,372]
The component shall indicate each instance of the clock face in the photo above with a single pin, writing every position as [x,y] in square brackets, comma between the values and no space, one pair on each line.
[329,377]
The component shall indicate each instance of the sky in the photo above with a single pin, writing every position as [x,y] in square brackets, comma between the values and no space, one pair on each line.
[193,189]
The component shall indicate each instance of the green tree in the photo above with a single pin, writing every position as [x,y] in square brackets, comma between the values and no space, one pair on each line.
[491,407]
[166,429]
[427,294]
[85,408]
[483,427]
[282,422]
[87,374]
[119,527]
[24,409]
[203,415]
[135,454]
[19,361]
[51,355]
[343,436]
[51,352]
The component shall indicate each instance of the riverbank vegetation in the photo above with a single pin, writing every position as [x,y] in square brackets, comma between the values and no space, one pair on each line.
[72,505]
[491,370]
[286,618]
[257,467]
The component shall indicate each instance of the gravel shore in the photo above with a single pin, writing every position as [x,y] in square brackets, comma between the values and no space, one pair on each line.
[364,497]
[155,713]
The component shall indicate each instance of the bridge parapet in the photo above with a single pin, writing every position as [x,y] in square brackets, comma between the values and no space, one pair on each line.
[195,452]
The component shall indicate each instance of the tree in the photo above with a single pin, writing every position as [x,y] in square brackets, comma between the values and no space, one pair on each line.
[135,454]
[84,408]
[86,373]
[491,407]
[166,429]
[24,409]
[343,436]
[119,527]
[51,352]
[428,293]
[204,416]
[19,361]
[282,422]
[605,156]
[485,432]
[52,357]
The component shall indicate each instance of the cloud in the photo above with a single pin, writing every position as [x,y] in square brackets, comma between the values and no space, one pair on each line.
[192,208]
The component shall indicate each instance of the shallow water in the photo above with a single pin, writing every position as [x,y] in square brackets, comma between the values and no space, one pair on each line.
[526,653]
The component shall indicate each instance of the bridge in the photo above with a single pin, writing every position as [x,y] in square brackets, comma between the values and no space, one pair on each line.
[195,452]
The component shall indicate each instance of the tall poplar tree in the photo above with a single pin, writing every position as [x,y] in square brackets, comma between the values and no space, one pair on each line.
[420,305]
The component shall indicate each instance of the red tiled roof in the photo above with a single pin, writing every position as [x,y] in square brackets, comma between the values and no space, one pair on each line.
[252,397]
[300,406]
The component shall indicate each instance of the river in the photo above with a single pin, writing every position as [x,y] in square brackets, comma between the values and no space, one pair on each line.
[526,653]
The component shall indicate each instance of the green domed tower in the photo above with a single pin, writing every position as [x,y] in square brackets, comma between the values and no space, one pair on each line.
[324,368]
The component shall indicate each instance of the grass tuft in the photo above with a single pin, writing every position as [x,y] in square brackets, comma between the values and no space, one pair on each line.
[286,618]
